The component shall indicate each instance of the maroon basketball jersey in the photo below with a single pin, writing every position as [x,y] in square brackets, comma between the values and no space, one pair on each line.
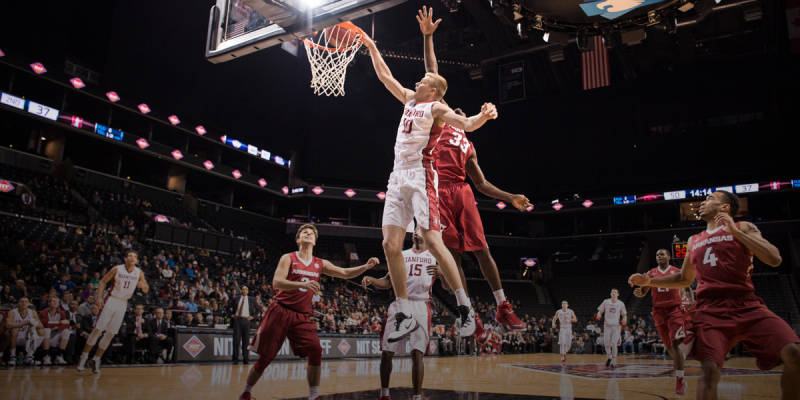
[452,153]
[663,297]
[300,300]
[723,264]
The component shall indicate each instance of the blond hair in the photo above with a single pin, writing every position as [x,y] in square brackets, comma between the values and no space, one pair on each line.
[439,83]
[307,226]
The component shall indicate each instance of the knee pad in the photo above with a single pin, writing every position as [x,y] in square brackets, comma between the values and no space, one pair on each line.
[315,356]
[106,340]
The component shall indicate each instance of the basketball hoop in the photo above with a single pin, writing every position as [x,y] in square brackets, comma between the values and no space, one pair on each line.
[329,55]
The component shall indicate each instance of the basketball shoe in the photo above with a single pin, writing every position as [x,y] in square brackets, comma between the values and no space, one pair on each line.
[467,315]
[246,396]
[506,317]
[404,325]
[680,385]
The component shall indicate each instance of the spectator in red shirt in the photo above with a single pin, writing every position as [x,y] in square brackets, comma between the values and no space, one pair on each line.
[56,330]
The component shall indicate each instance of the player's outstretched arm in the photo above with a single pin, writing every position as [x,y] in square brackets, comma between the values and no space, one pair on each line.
[101,286]
[443,113]
[280,282]
[427,27]
[346,273]
[749,235]
[380,283]
[384,74]
[475,173]
[683,279]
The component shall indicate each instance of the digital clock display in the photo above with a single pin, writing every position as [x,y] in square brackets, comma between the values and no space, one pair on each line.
[679,250]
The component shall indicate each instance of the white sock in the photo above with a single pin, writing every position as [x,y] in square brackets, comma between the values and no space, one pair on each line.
[12,352]
[247,388]
[679,373]
[462,299]
[499,296]
[384,392]
[416,397]
[404,305]
[313,392]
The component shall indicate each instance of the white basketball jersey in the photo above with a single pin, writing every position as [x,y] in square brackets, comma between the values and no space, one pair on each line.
[14,316]
[414,140]
[125,282]
[564,318]
[612,311]
[419,282]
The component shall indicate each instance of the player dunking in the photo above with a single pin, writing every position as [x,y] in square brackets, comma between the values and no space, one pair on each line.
[614,310]
[289,316]
[462,227]
[127,277]
[421,271]
[412,189]
[669,316]
[565,317]
[727,310]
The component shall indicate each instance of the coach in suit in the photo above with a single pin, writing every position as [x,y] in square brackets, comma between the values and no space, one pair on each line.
[243,309]
[160,340]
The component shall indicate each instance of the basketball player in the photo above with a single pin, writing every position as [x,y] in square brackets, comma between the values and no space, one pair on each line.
[614,311]
[669,316]
[289,316]
[126,278]
[24,326]
[462,227]
[56,330]
[565,317]
[412,189]
[420,273]
[727,310]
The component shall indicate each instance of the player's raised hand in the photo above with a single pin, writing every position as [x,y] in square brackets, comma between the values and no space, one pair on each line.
[425,19]
[432,270]
[520,202]
[373,261]
[638,292]
[368,42]
[489,111]
[724,219]
[639,280]
[99,302]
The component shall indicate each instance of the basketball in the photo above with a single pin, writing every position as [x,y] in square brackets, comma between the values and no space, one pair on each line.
[341,35]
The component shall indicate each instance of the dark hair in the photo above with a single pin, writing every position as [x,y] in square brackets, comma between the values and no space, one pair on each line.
[732,200]
[664,250]
[127,252]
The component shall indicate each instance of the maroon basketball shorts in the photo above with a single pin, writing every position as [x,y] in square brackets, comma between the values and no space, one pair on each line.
[280,323]
[670,324]
[460,218]
[719,323]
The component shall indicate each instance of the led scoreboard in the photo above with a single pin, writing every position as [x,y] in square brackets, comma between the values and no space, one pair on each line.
[679,250]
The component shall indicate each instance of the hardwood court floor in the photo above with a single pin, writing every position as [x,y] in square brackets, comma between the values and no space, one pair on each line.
[527,376]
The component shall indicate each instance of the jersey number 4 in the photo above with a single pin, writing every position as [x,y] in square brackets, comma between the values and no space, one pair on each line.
[457,141]
[709,258]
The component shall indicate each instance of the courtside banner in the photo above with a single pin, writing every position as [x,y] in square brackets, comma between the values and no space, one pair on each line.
[217,345]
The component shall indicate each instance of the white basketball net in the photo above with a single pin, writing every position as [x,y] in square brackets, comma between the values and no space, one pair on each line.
[329,62]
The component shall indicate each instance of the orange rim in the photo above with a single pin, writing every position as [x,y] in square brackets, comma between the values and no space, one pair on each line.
[344,25]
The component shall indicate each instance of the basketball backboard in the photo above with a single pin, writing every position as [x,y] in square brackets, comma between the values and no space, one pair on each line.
[240,27]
